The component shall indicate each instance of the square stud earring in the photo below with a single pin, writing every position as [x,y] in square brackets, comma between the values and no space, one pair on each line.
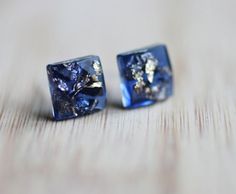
[77,87]
[146,76]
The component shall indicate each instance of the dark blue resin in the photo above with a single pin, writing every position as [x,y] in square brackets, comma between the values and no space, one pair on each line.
[77,87]
[146,76]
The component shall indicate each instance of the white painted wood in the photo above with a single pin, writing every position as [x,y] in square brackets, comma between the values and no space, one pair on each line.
[186,145]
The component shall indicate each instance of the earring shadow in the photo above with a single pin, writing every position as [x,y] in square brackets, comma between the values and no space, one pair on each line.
[40,105]
[114,104]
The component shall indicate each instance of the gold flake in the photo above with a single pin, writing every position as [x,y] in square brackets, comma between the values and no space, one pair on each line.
[150,68]
[95,85]
[97,67]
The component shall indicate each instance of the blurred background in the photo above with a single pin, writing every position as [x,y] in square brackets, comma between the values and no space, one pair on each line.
[186,145]
[35,33]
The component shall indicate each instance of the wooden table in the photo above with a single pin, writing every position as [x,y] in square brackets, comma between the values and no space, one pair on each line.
[186,145]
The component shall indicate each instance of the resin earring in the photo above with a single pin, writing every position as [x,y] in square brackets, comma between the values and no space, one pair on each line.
[146,76]
[77,87]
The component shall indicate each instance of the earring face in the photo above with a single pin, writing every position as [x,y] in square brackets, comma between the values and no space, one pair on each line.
[146,76]
[77,87]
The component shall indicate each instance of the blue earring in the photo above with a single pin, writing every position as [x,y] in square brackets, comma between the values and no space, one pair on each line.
[146,76]
[77,87]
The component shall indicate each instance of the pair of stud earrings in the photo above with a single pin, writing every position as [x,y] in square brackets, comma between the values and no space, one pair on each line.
[78,88]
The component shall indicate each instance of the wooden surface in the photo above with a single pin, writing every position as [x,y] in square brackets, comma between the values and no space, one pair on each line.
[186,145]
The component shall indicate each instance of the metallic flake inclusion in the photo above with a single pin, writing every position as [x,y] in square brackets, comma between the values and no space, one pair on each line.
[77,87]
[146,76]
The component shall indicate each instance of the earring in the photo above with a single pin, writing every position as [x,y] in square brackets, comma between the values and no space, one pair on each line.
[77,87]
[146,76]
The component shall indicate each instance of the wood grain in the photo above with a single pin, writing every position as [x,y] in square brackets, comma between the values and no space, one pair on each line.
[186,145]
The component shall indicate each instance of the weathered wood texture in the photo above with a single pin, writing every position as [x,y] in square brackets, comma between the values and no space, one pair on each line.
[186,145]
